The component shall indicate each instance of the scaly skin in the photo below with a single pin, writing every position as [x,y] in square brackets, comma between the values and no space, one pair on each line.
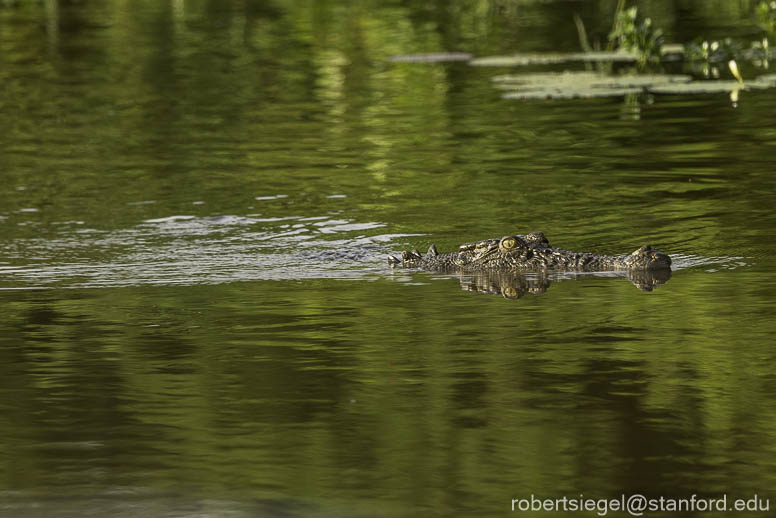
[530,252]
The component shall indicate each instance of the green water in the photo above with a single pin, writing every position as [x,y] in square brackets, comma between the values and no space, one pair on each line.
[198,318]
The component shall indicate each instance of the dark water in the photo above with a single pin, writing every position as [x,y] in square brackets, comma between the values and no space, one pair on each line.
[197,200]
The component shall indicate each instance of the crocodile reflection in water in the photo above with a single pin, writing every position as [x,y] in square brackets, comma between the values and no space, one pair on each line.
[515,284]
[529,252]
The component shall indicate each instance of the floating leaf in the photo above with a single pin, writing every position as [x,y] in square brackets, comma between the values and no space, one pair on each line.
[548,59]
[767,79]
[570,93]
[547,78]
[432,57]
[707,87]
[582,79]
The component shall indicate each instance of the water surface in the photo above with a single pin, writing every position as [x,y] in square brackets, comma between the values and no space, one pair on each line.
[198,315]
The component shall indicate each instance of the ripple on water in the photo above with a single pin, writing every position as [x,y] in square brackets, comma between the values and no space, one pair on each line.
[183,250]
[682,261]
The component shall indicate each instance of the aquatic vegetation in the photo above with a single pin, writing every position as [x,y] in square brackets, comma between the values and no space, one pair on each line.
[635,35]
[705,58]
[761,54]
[700,54]
[578,85]
[634,45]
[765,13]
[714,51]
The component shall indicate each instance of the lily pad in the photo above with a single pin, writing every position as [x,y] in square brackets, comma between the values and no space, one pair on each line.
[707,87]
[583,79]
[549,58]
[769,79]
[547,78]
[583,92]
[431,57]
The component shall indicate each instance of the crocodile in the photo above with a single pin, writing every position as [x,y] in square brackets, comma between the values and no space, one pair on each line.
[528,252]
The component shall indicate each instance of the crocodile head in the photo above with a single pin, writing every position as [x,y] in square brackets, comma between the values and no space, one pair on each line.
[646,258]
[520,251]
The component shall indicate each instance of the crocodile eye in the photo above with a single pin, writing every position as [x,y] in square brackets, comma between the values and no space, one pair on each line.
[507,243]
